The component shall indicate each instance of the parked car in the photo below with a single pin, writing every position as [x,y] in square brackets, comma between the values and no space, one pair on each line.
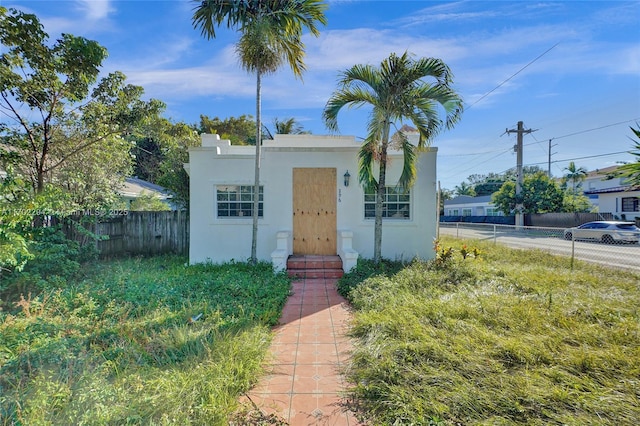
[606,231]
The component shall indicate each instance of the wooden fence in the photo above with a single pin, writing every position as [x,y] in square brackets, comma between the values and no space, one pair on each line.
[563,220]
[550,220]
[135,233]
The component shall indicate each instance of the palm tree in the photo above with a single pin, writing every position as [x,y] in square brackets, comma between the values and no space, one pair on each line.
[465,189]
[397,91]
[287,126]
[631,171]
[271,33]
[575,174]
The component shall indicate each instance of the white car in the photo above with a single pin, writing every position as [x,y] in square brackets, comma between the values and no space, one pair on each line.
[606,231]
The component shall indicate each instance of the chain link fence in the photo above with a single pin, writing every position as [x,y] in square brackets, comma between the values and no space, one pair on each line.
[613,248]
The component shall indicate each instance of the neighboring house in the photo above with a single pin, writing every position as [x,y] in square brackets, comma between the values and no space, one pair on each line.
[311,202]
[466,205]
[133,188]
[612,194]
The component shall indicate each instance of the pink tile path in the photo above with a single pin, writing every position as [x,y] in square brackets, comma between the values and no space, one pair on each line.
[309,349]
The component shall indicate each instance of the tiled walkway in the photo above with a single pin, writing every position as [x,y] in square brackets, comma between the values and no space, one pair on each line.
[308,351]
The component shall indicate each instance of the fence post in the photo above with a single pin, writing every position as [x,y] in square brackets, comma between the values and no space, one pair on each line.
[573,248]
[495,237]
[457,229]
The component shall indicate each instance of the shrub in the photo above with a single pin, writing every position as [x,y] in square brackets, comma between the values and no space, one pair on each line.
[54,260]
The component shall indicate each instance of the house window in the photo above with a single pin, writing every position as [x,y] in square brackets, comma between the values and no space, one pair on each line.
[492,211]
[235,201]
[453,212]
[466,212]
[395,205]
[630,204]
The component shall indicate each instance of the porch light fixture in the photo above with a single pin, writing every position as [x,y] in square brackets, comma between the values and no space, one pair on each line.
[346,178]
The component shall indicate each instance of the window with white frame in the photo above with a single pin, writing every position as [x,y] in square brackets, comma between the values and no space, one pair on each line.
[466,212]
[453,212]
[492,211]
[236,201]
[396,204]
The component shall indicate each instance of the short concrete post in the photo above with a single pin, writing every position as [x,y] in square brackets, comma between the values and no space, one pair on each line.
[283,249]
[345,250]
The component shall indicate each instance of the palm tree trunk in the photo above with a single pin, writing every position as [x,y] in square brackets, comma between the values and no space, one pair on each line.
[380,193]
[256,183]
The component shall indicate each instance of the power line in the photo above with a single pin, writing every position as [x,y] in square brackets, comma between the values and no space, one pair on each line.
[596,128]
[582,158]
[500,152]
[473,153]
[518,72]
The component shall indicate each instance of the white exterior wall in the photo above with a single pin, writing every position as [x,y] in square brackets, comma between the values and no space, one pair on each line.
[597,180]
[612,203]
[477,209]
[221,240]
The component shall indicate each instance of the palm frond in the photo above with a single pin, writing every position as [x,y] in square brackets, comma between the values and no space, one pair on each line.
[366,161]
[351,98]
[269,28]
[210,14]
[408,175]
[401,88]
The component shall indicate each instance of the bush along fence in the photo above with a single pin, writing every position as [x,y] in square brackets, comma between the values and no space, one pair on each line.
[131,233]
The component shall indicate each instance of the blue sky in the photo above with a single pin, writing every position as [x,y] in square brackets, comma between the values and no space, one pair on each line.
[570,70]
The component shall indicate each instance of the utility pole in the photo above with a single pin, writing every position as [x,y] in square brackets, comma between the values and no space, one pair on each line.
[519,177]
[549,163]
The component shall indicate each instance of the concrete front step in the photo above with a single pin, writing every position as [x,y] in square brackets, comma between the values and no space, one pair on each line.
[314,266]
[315,273]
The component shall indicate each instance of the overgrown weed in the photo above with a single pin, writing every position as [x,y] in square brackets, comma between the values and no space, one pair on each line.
[121,346]
[513,337]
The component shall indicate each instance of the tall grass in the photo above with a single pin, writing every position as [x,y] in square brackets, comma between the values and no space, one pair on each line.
[509,337]
[120,346]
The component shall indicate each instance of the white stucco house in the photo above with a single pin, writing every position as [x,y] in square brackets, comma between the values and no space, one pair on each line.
[612,194]
[466,205]
[311,202]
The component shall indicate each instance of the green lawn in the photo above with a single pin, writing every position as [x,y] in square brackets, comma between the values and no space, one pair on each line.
[116,346]
[508,338]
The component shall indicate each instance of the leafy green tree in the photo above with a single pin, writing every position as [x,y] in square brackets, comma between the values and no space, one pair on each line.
[574,202]
[486,184]
[79,121]
[397,90]
[14,250]
[239,130]
[575,175]
[149,202]
[19,209]
[177,140]
[271,33]
[539,194]
[147,153]
[512,173]
[161,153]
[631,171]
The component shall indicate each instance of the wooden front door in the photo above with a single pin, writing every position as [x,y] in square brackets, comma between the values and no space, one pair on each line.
[314,211]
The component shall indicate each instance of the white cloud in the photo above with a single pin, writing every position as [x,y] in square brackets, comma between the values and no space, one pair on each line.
[195,81]
[95,10]
[82,18]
